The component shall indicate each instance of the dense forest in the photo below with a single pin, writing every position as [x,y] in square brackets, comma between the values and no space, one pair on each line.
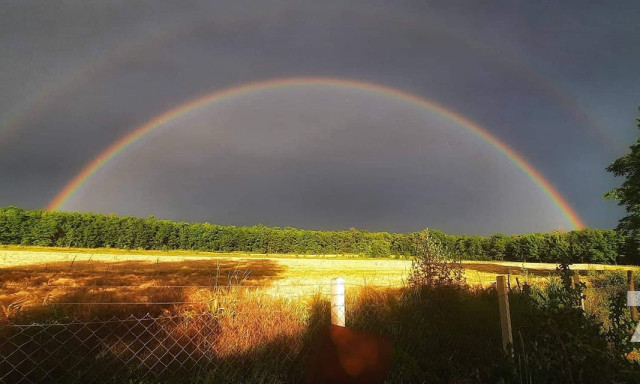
[90,230]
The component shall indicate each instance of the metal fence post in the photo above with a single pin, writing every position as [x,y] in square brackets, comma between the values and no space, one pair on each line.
[337,302]
[505,316]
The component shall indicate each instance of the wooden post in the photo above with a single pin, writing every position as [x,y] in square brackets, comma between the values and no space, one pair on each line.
[634,310]
[575,283]
[337,302]
[505,315]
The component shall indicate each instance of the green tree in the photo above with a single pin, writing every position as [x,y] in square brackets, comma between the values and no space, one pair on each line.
[91,230]
[628,194]
[496,247]
[434,266]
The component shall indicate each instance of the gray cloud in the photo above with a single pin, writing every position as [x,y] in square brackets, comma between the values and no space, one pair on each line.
[78,75]
[320,156]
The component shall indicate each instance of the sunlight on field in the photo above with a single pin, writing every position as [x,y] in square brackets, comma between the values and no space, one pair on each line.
[41,276]
[484,272]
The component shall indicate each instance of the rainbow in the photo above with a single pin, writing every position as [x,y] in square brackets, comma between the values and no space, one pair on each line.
[124,142]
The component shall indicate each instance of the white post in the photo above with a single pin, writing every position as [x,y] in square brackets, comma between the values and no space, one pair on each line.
[337,302]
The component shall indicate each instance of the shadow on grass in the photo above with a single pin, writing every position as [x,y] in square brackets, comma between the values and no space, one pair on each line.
[437,336]
[87,289]
[446,335]
[169,349]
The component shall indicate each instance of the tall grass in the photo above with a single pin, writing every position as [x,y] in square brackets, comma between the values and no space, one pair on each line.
[440,334]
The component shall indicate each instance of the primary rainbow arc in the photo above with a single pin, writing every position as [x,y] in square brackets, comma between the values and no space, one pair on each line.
[124,142]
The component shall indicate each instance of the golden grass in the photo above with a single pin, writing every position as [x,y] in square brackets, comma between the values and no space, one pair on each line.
[31,277]
[254,306]
[35,277]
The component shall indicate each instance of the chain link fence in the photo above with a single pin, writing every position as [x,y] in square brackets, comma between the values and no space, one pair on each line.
[155,349]
[259,334]
[252,337]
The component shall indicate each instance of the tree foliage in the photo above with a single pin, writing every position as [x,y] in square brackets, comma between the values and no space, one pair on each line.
[628,194]
[433,265]
[90,230]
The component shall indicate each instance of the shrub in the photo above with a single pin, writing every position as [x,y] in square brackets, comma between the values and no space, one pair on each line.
[556,341]
[434,266]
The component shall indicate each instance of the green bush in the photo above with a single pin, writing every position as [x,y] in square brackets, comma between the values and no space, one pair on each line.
[433,265]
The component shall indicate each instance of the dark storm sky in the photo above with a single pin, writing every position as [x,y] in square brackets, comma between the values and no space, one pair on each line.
[558,82]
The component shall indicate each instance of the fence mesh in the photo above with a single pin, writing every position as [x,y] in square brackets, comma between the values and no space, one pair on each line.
[90,351]
[250,337]
[113,332]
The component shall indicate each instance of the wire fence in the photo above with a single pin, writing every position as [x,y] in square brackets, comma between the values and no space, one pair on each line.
[252,334]
[166,349]
[239,335]
[109,332]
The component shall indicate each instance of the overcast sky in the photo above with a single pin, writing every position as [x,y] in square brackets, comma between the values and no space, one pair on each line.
[557,82]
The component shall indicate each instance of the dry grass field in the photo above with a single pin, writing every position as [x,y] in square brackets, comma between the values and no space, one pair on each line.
[259,309]
[32,277]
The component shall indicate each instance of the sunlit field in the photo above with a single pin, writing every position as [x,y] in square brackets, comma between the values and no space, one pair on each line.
[264,309]
[37,277]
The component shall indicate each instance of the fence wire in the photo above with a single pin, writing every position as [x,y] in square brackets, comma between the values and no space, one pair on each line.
[252,334]
[246,339]
[165,349]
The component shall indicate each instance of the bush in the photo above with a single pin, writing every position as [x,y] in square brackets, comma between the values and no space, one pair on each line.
[556,341]
[434,266]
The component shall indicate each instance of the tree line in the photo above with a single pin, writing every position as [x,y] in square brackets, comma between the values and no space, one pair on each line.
[91,230]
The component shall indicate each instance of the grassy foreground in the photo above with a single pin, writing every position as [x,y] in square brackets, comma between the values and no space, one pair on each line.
[261,312]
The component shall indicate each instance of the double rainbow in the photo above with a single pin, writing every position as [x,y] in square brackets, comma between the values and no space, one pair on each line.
[124,142]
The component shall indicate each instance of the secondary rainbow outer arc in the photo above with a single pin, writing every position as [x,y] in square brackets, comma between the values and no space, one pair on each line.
[121,144]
